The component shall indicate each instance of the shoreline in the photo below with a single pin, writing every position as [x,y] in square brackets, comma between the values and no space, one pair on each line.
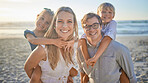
[15,50]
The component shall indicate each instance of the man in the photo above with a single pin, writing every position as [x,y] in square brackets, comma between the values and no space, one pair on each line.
[116,56]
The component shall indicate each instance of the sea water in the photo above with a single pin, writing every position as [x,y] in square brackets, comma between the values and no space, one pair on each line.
[133,27]
[128,28]
[124,28]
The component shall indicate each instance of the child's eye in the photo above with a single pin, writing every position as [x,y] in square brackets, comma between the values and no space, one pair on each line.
[103,12]
[42,18]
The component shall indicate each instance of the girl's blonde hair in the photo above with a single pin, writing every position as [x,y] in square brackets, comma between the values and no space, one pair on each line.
[48,10]
[105,6]
[52,50]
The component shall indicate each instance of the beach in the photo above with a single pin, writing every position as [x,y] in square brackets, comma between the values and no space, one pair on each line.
[15,50]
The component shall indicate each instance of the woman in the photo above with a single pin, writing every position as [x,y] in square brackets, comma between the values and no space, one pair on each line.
[55,62]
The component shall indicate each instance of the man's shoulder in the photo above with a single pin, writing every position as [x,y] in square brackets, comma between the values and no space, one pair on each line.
[113,22]
[116,46]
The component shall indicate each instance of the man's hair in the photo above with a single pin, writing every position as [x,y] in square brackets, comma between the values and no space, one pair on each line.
[105,6]
[88,16]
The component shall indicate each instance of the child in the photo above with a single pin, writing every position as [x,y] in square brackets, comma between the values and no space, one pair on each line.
[107,12]
[35,38]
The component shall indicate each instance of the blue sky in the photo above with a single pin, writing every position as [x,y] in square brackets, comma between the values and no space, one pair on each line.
[27,10]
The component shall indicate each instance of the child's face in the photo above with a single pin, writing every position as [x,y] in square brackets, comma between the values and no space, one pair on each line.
[64,24]
[43,21]
[106,15]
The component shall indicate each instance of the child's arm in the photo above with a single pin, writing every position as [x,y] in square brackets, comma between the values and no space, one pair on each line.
[83,48]
[108,36]
[36,41]
[103,45]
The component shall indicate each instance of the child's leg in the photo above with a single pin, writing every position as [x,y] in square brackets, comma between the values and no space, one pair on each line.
[123,77]
[73,72]
[85,78]
[36,75]
[83,47]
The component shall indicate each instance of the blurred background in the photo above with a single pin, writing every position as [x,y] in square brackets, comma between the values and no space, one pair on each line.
[19,15]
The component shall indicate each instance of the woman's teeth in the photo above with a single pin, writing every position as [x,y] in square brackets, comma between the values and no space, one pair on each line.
[64,31]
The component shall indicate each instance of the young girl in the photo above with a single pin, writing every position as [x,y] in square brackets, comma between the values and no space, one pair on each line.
[35,38]
[55,62]
[42,23]
[107,12]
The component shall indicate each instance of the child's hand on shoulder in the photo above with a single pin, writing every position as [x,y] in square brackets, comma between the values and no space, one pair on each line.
[59,42]
[69,45]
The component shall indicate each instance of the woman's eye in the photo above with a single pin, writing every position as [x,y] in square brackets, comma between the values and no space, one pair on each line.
[59,21]
[47,22]
[69,21]
[110,12]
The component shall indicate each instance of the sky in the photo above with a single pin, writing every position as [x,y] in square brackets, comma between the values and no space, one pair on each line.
[27,10]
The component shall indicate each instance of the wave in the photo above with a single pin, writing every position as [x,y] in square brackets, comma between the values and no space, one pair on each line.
[133,21]
[123,27]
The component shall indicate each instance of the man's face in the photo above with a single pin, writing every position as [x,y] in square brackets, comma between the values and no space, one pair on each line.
[92,29]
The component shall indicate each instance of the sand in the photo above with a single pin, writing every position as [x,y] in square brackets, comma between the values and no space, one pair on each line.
[14,52]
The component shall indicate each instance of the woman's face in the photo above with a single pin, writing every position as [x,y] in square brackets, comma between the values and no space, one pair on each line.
[64,24]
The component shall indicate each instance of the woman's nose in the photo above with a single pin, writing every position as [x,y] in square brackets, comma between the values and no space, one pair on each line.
[65,25]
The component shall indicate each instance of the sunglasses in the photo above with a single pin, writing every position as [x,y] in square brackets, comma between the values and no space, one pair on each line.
[94,26]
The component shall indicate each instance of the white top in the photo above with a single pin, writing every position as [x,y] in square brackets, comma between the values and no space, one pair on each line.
[108,30]
[59,74]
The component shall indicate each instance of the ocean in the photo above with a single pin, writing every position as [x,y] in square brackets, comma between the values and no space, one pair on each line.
[124,28]
[129,28]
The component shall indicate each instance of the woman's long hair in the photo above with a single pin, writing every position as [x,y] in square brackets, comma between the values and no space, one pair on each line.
[52,50]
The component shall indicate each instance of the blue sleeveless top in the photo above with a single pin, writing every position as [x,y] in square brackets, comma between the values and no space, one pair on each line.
[30,32]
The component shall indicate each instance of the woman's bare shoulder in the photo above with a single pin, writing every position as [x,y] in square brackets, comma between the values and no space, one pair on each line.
[39,51]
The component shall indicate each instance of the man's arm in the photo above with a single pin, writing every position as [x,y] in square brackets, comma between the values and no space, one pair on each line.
[125,61]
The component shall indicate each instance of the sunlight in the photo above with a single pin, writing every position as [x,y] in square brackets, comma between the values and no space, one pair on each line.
[19,0]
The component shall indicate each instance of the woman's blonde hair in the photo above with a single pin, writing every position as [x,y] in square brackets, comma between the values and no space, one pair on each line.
[52,50]
[105,6]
